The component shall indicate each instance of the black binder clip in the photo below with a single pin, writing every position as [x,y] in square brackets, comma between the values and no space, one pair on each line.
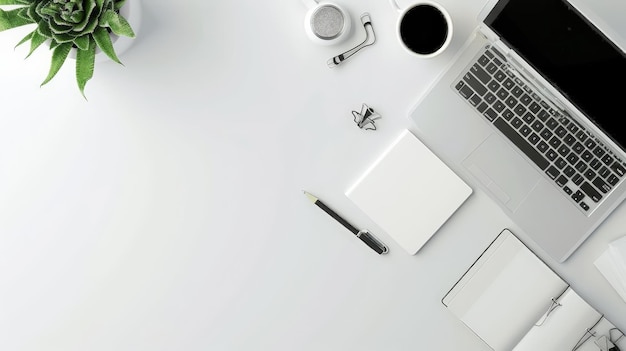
[366,118]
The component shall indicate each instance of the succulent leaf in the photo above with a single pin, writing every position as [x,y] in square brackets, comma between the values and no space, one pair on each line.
[25,39]
[117,23]
[58,58]
[103,39]
[85,61]
[35,41]
[11,19]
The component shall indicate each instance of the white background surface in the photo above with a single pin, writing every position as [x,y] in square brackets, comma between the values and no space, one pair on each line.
[166,213]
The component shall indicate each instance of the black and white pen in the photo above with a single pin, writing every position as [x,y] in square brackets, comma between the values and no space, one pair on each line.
[364,235]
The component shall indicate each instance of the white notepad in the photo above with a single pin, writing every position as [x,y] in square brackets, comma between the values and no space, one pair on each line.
[409,192]
[504,292]
[513,301]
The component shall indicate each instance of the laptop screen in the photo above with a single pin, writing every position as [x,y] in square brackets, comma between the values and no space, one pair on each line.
[570,52]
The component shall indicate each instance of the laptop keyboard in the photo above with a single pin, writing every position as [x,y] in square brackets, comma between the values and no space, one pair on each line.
[577,162]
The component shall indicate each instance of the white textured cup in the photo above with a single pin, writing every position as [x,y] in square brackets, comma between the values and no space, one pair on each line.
[326,23]
[403,12]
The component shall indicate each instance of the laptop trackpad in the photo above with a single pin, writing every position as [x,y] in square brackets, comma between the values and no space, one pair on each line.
[502,170]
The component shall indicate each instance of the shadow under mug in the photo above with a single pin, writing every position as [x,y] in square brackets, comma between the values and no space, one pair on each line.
[424,28]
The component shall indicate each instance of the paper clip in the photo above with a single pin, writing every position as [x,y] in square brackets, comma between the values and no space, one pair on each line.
[553,306]
[366,118]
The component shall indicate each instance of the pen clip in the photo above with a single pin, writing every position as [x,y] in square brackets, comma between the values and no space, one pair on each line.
[372,242]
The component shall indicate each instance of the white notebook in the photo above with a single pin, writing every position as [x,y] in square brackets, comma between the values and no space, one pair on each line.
[409,192]
[513,301]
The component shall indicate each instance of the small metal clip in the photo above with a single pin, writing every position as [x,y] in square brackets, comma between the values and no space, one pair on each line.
[553,305]
[366,118]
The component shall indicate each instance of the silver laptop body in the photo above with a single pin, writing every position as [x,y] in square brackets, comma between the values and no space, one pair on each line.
[551,209]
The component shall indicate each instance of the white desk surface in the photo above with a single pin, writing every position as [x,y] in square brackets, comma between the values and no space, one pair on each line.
[167,212]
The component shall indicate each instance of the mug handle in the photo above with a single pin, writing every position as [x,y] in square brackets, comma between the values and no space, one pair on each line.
[395,5]
[310,3]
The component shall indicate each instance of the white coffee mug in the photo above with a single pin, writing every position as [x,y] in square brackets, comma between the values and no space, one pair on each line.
[424,28]
[326,23]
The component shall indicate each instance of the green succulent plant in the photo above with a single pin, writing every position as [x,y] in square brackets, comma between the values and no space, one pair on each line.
[82,25]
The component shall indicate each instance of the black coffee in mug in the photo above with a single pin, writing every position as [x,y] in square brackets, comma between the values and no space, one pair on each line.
[424,29]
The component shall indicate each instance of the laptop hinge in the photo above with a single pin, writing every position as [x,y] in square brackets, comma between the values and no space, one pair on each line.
[487,33]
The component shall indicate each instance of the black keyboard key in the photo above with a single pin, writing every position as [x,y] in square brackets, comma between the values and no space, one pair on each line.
[482,107]
[497,52]
[602,185]
[612,179]
[543,115]
[551,155]
[552,123]
[499,76]
[525,99]
[508,83]
[555,142]
[517,91]
[534,107]
[475,84]
[507,114]
[595,163]
[618,169]
[490,98]
[560,131]
[552,172]
[521,143]
[525,131]
[591,191]
[572,158]
[542,147]
[590,174]
[465,90]
[590,144]
[598,151]
[607,159]
[490,114]
[528,118]
[569,139]
[577,196]
[604,172]
[502,94]
[493,86]
[587,155]
[480,74]
[561,180]
[578,147]
[546,134]
[511,101]
[569,171]
[577,179]
[584,206]
[475,100]
[498,106]
[484,59]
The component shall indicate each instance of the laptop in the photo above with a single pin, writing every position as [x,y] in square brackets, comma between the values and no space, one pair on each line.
[530,111]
